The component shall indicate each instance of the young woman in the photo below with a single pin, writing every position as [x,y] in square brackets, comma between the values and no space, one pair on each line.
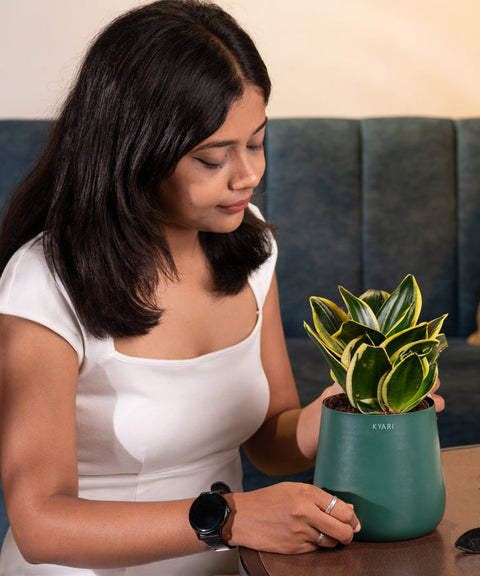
[140,337]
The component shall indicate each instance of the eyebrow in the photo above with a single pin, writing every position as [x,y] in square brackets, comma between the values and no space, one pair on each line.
[223,143]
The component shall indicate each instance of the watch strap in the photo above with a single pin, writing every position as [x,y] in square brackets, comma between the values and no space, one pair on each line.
[215,542]
[220,487]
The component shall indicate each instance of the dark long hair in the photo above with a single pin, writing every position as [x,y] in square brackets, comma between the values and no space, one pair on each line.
[155,83]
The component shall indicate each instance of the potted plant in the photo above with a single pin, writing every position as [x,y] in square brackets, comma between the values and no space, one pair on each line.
[378,445]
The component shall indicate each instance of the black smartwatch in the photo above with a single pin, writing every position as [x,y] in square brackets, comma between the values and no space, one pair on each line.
[208,515]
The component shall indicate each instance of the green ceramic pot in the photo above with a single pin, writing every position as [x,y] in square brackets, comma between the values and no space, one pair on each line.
[388,466]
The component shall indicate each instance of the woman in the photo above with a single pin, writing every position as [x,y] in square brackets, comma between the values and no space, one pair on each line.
[140,331]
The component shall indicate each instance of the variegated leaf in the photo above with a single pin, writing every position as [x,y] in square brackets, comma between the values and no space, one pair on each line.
[327,318]
[402,383]
[359,311]
[338,369]
[351,329]
[367,367]
[399,339]
[375,299]
[434,326]
[426,387]
[404,302]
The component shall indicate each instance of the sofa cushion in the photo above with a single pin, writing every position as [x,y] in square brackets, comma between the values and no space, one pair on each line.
[409,209]
[20,143]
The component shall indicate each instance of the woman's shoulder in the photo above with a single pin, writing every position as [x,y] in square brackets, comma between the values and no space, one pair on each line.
[27,264]
[261,279]
[29,289]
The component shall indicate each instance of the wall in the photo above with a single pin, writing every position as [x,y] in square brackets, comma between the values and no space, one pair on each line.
[343,58]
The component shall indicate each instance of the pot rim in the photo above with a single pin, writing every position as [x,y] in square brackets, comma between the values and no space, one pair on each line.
[427,398]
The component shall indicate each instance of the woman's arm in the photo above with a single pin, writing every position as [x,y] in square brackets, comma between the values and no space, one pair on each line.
[38,466]
[287,441]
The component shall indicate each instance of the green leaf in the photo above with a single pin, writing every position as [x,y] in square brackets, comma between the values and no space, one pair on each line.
[403,322]
[438,349]
[400,339]
[359,311]
[379,393]
[352,347]
[370,406]
[375,299]
[327,318]
[426,387]
[338,369]
[434,326]
[402,383]
[402,307]
[421,348]
[368,365]
[351,329]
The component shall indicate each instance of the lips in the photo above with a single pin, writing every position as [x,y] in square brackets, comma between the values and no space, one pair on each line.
[237,206]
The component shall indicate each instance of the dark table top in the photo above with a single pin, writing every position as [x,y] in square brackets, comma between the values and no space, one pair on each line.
[431,555]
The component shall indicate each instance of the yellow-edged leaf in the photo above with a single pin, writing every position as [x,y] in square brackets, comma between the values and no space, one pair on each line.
[358,310]
[327,319]
[405,303]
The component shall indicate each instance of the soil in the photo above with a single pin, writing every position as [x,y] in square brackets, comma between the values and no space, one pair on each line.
[341,403]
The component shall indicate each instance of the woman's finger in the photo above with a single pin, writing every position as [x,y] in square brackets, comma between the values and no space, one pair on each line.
[333,506]
[439,402]
[335,519]
[325,541]
[437,399]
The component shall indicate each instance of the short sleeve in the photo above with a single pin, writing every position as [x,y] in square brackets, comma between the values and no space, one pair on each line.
[29,290]
[261,279]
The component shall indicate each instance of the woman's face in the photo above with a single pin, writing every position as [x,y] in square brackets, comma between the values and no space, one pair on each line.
[213,184]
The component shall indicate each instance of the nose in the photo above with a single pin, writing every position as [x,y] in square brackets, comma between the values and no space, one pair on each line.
[247,172]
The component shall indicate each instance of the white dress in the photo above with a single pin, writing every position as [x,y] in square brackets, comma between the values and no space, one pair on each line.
[146,429]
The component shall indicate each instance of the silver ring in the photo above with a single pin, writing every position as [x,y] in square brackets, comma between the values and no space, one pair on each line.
[331,505]
[321,536]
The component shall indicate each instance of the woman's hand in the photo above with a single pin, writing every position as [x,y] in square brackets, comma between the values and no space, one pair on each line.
[308,426]
[288,518]
[439,401]
[332,390]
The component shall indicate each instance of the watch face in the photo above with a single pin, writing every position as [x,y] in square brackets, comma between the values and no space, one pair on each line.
[208,512]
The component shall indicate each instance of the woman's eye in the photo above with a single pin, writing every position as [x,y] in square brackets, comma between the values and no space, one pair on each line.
[255,147]
[209,164]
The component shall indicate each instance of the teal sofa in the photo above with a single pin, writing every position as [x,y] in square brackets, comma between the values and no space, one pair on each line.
[359,203]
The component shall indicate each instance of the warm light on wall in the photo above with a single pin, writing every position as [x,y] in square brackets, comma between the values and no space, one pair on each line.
[344,58]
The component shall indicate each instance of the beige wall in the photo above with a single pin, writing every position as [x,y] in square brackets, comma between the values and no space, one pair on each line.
[326,57]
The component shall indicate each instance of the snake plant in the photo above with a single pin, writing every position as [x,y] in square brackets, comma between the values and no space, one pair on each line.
[384,361]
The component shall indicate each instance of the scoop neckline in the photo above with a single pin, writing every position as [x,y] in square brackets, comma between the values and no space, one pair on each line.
[185,361]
